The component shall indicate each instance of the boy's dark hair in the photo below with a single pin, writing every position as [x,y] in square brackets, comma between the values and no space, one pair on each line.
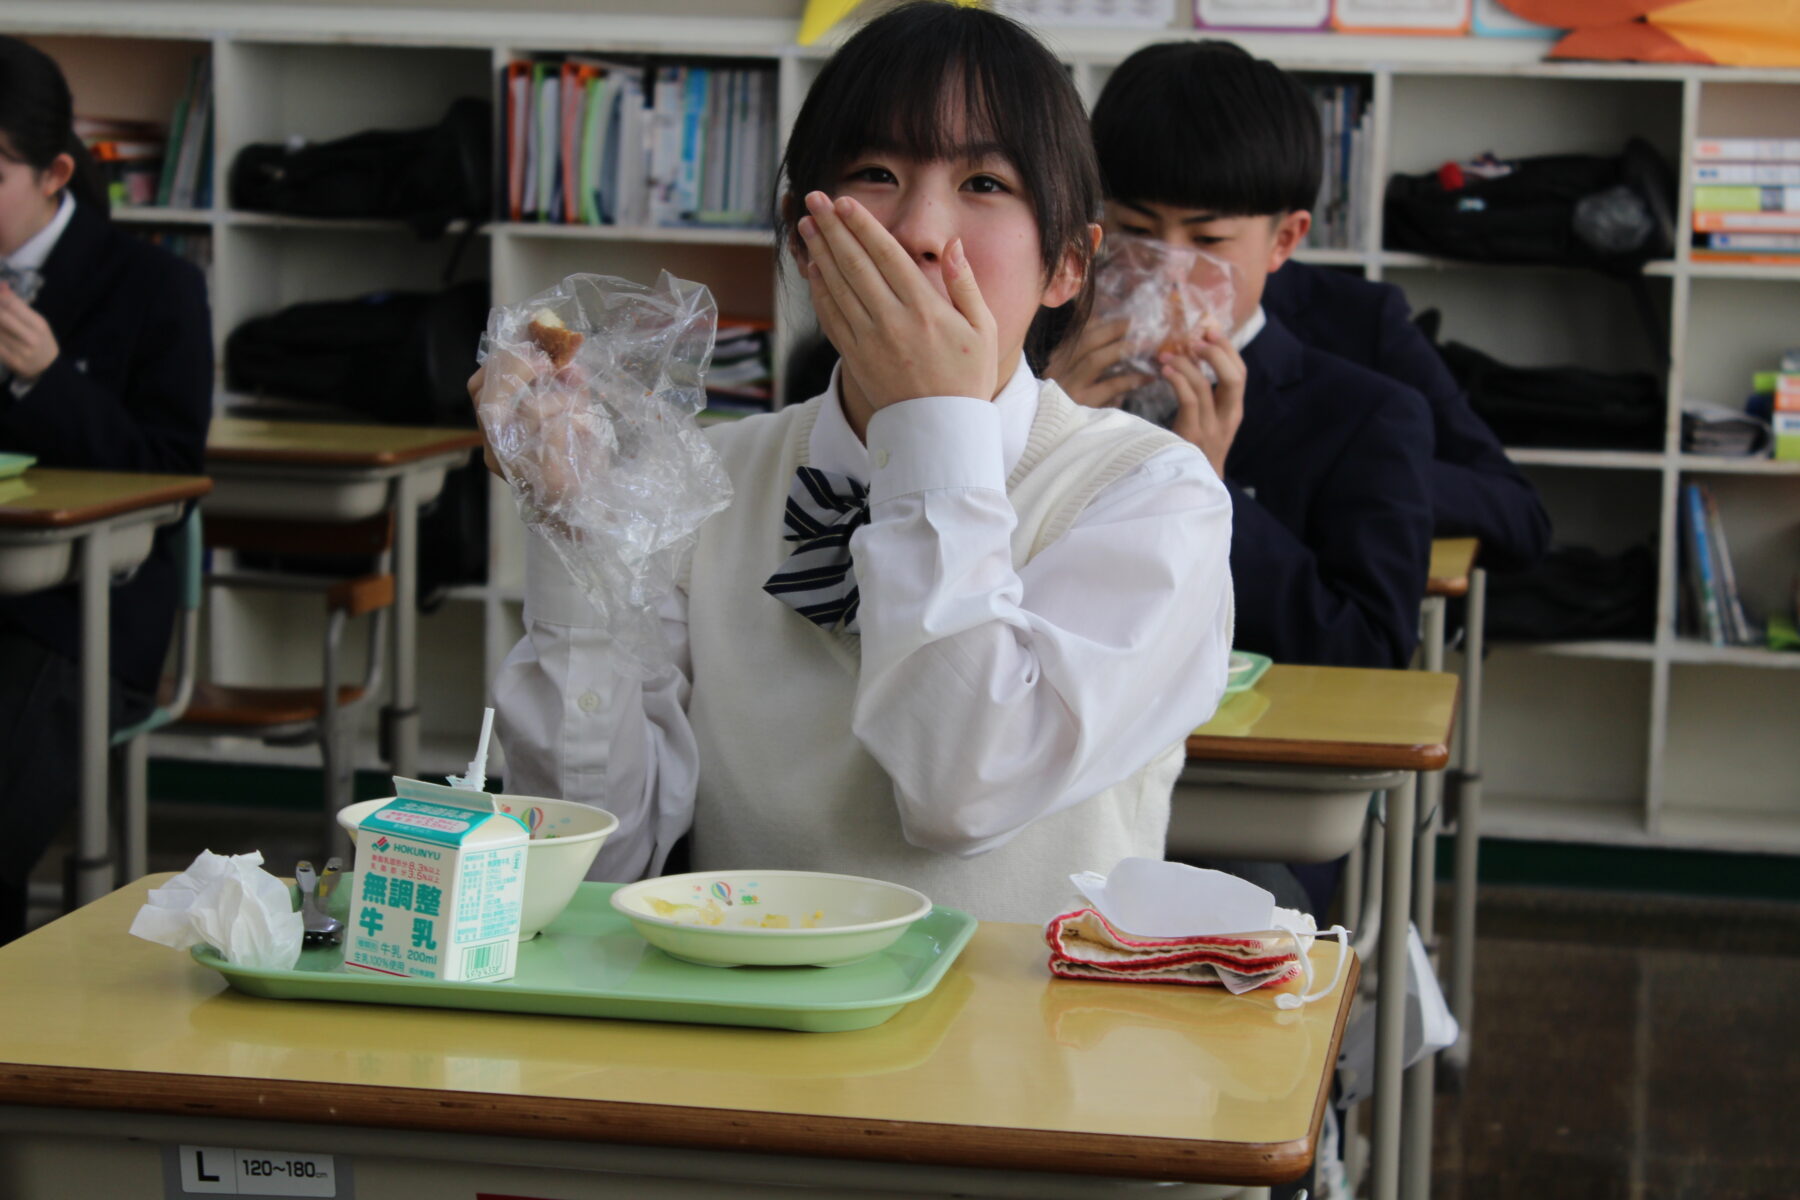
[1206,125]
[885,89]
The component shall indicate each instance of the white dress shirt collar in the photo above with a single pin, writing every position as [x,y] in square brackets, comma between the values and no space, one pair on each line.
[1246,333]
[36,251]
[835,447]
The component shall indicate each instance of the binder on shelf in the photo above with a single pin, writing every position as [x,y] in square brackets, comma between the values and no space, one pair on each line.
[518,124]
[195,136]
[548,113]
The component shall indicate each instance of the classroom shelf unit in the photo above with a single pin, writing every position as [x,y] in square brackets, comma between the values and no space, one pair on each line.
[1660,742]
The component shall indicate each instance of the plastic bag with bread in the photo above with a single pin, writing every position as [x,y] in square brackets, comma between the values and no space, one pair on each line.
[589,402]
[1168,296]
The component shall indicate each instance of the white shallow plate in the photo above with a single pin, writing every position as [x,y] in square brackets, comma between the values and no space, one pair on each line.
[769,918]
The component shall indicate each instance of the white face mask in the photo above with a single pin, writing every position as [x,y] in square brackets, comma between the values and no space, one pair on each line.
[1156,899]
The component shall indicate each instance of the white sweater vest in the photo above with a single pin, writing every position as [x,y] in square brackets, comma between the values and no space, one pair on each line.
[784,784]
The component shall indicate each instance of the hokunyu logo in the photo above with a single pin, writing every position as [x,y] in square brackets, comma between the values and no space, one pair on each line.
[381,844]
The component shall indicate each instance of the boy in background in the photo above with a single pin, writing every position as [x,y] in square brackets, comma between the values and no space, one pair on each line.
[1328,463]
[1476,491]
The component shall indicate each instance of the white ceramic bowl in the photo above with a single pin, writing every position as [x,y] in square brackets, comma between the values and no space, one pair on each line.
[769,918]
[1239,664]
[565,836]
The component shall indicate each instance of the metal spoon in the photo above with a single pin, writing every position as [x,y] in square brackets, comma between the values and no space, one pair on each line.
[320,928]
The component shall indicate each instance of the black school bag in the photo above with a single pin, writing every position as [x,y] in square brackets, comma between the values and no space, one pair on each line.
[425,177]
[1569,407]
[1611,214]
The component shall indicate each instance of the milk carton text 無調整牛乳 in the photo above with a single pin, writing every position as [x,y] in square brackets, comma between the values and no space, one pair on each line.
[440,881]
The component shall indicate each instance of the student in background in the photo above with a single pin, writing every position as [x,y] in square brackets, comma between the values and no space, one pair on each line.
[110,366]
[1327,462]
[1475,489]
[1042,610]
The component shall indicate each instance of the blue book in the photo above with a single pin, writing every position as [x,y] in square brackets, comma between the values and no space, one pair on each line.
[1700,565]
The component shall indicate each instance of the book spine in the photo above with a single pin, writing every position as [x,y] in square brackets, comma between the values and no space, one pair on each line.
[1731,604]
[1747,222]
[1747,199]
[1755,150]
[1753,241]
[1748,174]
[1700,563]
[518,117]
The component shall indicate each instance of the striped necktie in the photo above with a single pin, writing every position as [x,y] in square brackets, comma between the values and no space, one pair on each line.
[818,579]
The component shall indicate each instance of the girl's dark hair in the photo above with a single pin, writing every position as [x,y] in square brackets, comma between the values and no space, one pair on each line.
[37,117]
[1205,125]
[886,89]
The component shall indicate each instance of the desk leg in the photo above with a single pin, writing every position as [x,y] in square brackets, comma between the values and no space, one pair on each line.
[1468,825]
[403,714]
[1390,1010]
[1421,1081]
[93,863]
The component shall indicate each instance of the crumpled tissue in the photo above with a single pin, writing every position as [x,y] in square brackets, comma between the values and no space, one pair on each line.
[231,904]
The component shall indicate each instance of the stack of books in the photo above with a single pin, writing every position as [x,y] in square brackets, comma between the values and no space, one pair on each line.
[1340,212]
[593,142]
[155,166]
[739,381]
[1715,610]
[1784,389]
[1747,200]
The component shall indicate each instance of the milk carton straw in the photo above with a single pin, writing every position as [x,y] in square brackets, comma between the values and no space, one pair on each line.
[474,776]
[440,883]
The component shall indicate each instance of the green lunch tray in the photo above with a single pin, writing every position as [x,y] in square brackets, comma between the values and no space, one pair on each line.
[1246,681]
[589,962]
[14,464]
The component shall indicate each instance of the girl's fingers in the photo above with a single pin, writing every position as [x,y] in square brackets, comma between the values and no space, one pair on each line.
[964,291]
[831,275]
[855,268]
[896,266]
[837,331]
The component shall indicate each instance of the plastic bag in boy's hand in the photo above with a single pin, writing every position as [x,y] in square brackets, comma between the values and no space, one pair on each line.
[588,400]
[1168,296]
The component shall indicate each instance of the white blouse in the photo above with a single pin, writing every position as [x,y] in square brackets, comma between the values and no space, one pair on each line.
[1111,644]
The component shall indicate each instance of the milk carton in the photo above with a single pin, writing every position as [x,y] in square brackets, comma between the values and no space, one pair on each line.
[440,879]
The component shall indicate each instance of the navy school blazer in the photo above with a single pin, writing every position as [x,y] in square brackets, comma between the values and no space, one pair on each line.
[130,390]
[1476,491]
[1331,508]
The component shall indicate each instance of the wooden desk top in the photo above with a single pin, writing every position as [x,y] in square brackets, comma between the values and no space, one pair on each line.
[1002,1066]
[54,498]
[1335,717]
[245,440]
[1451,561]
